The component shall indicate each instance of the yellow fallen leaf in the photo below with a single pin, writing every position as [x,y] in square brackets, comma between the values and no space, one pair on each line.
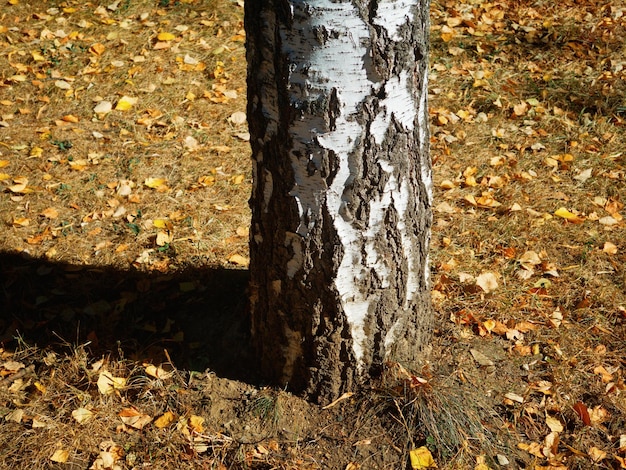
[196,423]
[447,34]
[38,57]
[125,103]
[237,179]
[79,165]
[4,163]
[206,180]
[421,458]
[166,37]
[533,448]
[554,424]
[155,183]
[165,420]
[35,152]
[162,223]
[569,216]
[60,456]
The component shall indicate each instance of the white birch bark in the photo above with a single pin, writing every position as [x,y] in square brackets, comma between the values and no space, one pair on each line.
[337,106]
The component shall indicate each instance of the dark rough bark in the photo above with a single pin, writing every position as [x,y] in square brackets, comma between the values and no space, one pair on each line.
[340,231]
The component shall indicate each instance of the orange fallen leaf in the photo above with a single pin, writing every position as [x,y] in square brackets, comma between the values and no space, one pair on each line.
[70,118]
[133,417]
[21,222]
[164,420]
[50,213]
[97,49]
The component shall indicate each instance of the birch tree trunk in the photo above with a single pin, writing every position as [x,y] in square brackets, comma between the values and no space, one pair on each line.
[341,203]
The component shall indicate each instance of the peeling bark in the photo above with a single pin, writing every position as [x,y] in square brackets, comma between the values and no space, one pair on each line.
[337,98]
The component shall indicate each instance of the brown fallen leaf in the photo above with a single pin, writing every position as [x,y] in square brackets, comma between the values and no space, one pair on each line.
[582,412]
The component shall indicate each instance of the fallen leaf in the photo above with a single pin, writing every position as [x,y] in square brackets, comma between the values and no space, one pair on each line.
[165,37]
[608,221]
[163,237]
[50,213]
[554,424]
[583,175]
[239,260]
[97,49]
[157,372]
[421,458]
[133,417]
[609,248]
[125,103]
[155,183]
[529,260]
[107,383]
[514,397]
[569,216]
[191,143]
[237,179]
[596,454]
[582,412]
[196,423]
[533,448]
[82,415]
[103,107]
[165,420]
[487,281]
[238,117]
[12,366]
[481,358]
[63,85]
[20,185]
[79,165]
[15,416]
[60,456]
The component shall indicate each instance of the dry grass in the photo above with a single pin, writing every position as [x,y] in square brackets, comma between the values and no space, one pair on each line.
[525,97]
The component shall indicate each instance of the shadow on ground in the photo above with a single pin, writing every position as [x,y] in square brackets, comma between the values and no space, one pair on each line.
[197,315]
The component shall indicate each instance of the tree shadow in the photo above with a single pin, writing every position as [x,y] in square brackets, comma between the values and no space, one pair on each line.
[198,315]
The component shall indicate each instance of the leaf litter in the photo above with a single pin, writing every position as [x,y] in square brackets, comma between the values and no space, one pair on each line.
[123,146]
